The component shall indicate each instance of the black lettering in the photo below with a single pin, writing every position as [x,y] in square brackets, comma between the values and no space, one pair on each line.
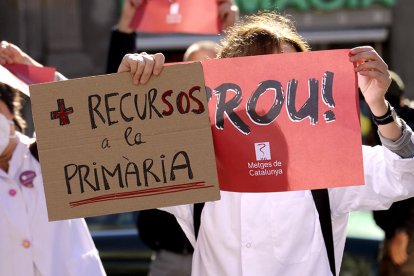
[137,137]
[93,108]
[327,96]
[69,176]
[134,172]
[83,178]
[142,115]
[274,110]
[152,95]
[125,117]
[147,165]
[185,165]
[109,109]
[116,171]
[309,108]
[228,107]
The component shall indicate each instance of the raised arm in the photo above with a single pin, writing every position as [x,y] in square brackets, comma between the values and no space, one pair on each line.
[374,80]
[10,53]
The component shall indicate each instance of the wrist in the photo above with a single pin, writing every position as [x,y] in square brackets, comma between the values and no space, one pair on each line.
[388,117]
[123,26]
[378,107]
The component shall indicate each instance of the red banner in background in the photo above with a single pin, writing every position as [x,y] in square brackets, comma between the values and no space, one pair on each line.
[177,16]
[285,122]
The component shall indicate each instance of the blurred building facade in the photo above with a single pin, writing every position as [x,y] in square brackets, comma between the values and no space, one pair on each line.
[73,35]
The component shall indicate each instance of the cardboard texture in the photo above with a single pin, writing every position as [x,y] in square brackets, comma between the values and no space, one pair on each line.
[178,16]
[285,122]
[108,146]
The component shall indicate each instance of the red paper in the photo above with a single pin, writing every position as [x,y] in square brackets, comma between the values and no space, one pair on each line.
[177,16]
[31,74]
[272,153]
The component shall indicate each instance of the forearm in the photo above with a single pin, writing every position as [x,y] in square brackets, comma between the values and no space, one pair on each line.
[121,43]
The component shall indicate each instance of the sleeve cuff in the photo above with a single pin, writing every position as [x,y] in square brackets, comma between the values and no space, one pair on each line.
[404,146]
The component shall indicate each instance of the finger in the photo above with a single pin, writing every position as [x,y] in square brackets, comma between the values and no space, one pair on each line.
[360,49]
[372,66]
[3,44]
[375,75]
[135,3]
[365,56]
[159,60]
[148,68]
[132,63]
[6,57]
[124,66]
[223,10]
[139,64]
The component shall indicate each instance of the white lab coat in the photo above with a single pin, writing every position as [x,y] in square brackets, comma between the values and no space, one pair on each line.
[29,243]
[276,234]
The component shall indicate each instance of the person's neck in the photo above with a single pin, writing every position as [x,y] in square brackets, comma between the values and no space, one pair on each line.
[6,156]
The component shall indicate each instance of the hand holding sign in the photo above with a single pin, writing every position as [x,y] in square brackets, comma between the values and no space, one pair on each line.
[142,66]
[373,77]
[11,54]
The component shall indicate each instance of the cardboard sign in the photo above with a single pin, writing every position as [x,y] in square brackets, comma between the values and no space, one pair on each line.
[19,76]
[177,16]
[107,146]
[285,122]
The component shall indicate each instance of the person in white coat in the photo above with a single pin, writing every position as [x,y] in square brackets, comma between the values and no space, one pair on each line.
[30,245]
[253,234]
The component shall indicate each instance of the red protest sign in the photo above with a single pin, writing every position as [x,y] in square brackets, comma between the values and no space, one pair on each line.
[177,16]
[285,122]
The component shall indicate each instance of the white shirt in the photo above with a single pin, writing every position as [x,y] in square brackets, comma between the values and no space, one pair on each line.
[29,243]
[253,234]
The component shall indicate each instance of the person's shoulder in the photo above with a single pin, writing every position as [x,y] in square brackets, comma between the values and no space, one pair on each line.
[26,140]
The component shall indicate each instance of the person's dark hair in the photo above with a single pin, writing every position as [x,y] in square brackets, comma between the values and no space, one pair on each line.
[13,100]
[261,34]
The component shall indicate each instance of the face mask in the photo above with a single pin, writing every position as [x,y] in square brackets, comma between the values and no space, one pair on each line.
[5,132]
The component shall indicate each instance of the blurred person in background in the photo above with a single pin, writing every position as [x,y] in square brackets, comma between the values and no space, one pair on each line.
[30,245]
[279,233]
[160,230]
[397,256]
[123,37]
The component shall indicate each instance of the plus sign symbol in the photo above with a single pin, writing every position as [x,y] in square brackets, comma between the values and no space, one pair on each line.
[62,113]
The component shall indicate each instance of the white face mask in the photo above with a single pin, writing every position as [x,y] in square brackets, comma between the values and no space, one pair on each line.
[5,132]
